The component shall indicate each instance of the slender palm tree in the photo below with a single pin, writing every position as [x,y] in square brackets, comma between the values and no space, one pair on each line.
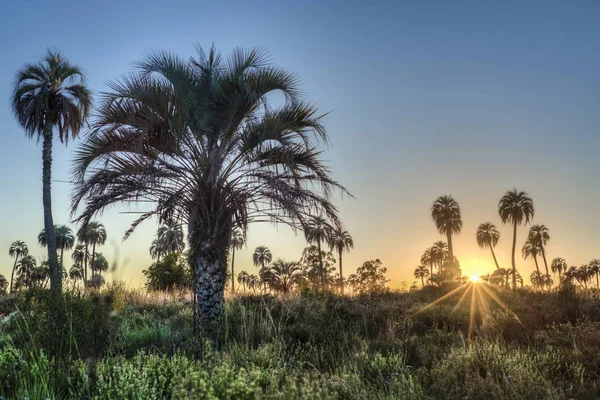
[100,264]
[539,234]
[531,249]
[439,254]
[237,242]
[515,208]
[25,268]
[317,231]
[583,274]
[65,240]
[284,275]
[79,255]
[537,279]
[253,282]
[488,236]
[50,95]
[594,266]
[445,212]
[261,257]
[559,265]
[76,273]
[201,139]
[421,272]
[340,240]
[243,279]
[96,235]
[17,250]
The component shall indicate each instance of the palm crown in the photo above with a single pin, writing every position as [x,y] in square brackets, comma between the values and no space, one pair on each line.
[261,256]
[445,212]
[487,235]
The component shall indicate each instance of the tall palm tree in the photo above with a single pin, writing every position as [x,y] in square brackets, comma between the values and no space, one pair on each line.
[421,272]
[243,279]
[594,266]
[25,268]
[531,249]
[76,273]
[260,257]
[539,234]
[445,212]
[488,236]
[429,258]
[340,240]
[65,240]
[559,265]
[96,235]
[284,275]
[100,265]
[50,95]
[515,208]
[317,231]
[79,255]
[201,139]
[439,254]
[17,250]
[237,242]
[583,274]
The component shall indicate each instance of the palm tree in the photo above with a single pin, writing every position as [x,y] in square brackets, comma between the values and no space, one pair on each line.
[50,95]
[64,241]
[340,240]
[583,274]
[25,268]
[79,255]
[201,140]
[594,266]
[91,233]
[317,231]
[488,236]
[253,282]
[429,258]
[169,240]
[445,212]
[559,265]
[155,249]
[284,275]
[17,250]
[3,284]
[237,242]
[515,208]
[260,257]
[531,249]
[421,272]
[76,273]
[539,235]
[100,265]
[439,254]
[243,279]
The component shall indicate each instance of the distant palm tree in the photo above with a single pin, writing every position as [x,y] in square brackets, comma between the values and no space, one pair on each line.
[537,279]
[25,268]
[261,257]
[100,265]
[559,265]
[421,272]
[79,255]
[594,266]
[65,240]
[253,282]
[50,95]
[17,250]
[155,249]
[531,249]
[91,233]
[439,252]
[237,242]
[317,231]
[284,275]
[539,235]
[340,240]
[3,284]
[243,279]
[169,240]
[583,274]
[429,258]
[488,236]
[515,208]
[76,273]
[445,212]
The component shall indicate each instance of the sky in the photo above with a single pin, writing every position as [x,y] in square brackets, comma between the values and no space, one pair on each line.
[426,98]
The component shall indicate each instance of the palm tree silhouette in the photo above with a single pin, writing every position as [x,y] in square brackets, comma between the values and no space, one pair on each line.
[284,275]
[169,240]
[65,240]
[50,95]
[559,265]
[237,242]
[515,208]
[440,254]
[421,272]
[25,269]
[201,140]
[17,250]
[243,279]
[539,235]
[445,212]
[594,266]
[531,249]
[317,231]
[488,236]
[340,240]
[91,233]
[260,257]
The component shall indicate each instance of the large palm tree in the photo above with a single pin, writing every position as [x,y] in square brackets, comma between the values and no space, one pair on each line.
[17,250]
[340,240]
[559,266]
[50,95]
[594,267]
[201,139]
[539,234]
[515,208]
[65,240]
[445,212]
[284,275]
[261,257]
[488,236]
[421,272]
[237,242]
[317,230]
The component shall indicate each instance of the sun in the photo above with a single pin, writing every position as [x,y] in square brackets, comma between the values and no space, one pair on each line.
[474,279]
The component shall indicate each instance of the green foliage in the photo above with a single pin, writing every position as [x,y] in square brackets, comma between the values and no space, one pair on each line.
[369,277]
[311,268]
[168,274]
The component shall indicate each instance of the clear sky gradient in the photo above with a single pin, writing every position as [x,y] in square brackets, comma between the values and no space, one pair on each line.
[426,98]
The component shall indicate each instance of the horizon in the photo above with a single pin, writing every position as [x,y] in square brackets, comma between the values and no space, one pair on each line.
[425,101]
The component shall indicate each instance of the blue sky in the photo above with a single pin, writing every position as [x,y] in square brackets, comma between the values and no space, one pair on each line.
[426,98]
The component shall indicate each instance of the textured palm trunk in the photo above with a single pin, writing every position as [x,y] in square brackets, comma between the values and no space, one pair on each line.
[321,265]
[62,253]
[514,265]
[494,255]
[232,270]
[545,264]
[597,283]
[55,276]
[93,259]
[537,268]
[450,249]
[12,275]
[85,270]
[422,282]
[341,275]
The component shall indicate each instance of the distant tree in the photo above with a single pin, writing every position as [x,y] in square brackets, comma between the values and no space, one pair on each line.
[47,96]
[440,254]
[3,284]
[76,273]
[262,257]
[445,212]
[369,277]
[515,208]
[531,249]
[17,250]
[93,233]
[243,279]
[584,274]
[79,256]
[253,282]
[25,269]
[421,272]
[169,240]
[537,279]
[285,275]
[311,262]
[100,264]
[488,236]
[171,273]
[65,240]
[340,240]
[237,242]
[559,265]
[594,266]
[538,234]
[429,258]
[316,231]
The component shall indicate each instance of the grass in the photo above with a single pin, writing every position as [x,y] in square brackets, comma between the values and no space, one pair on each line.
[122,344]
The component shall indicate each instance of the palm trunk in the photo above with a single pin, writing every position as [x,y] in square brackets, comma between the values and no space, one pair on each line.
[93,259]
[321,265]
[545,265]
[85,270]
[536,265]
[341,275]
[12,275]
[450,250]
[597,283]
[232,270]
[422,282]
[55,276]
[494,255]
[62,253]
[514,265]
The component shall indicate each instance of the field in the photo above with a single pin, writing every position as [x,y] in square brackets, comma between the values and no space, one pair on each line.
[123,344]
